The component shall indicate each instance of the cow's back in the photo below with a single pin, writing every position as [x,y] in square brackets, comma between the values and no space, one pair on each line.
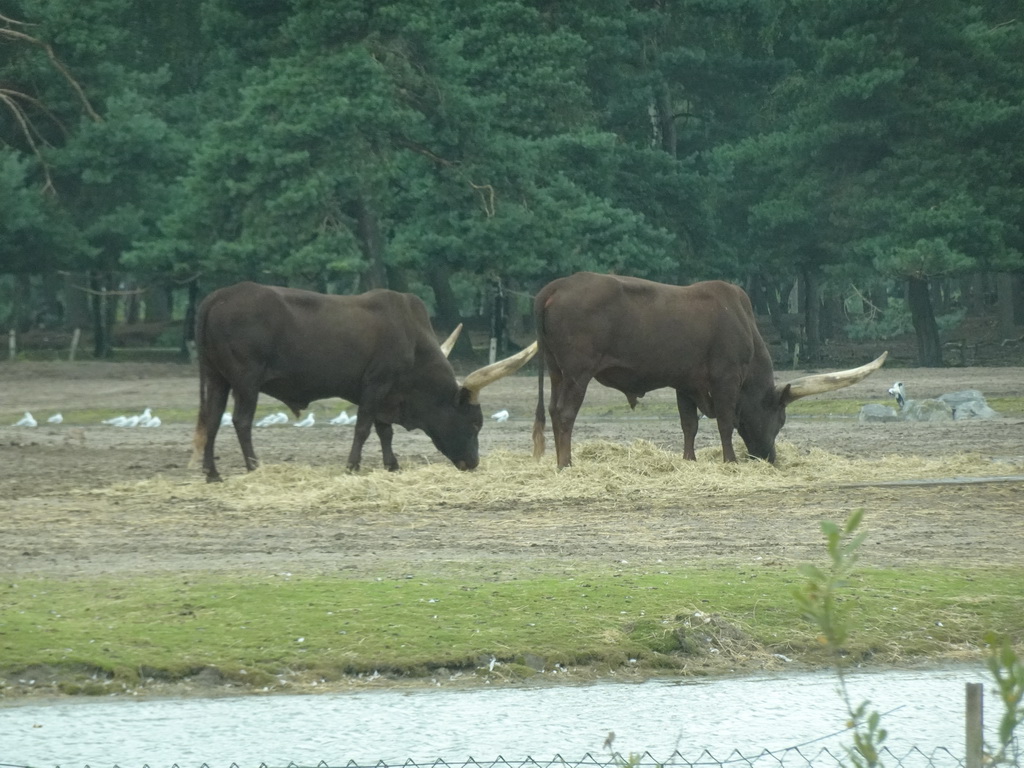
[303,346]
[638,335]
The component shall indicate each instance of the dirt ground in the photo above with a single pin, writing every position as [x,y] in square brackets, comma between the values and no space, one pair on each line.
[53,520]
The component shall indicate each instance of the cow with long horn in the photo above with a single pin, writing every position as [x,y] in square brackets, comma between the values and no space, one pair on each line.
[636,336]
[376,350]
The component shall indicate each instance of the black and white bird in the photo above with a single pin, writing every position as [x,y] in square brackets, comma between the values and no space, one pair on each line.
[898,391]
[26,421]
[306,422]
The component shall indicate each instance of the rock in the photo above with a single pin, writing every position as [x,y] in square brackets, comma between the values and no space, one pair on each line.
[927,410]
[956,399]
[974,409]
[968,404]
[877,412]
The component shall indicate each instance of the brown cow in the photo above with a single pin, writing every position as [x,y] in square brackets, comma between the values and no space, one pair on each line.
[636,336]
[376,350]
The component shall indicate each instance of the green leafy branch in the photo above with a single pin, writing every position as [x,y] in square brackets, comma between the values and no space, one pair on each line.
[818,598]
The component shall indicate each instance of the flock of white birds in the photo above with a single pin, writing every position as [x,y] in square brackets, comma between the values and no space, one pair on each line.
[147,419]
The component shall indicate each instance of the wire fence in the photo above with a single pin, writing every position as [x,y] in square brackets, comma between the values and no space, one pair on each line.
[939,757]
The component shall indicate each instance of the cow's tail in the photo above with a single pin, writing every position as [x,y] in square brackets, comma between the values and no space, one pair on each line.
[199,438]
[538,418]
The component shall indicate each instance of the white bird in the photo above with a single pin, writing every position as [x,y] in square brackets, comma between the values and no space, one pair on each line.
[145,417]
[130,421]
[154,421]
[55,419]
[306,422]
[343,418]
[500,415]
[116,421]
[898,391]
[26,421]
[225,419]
[273,418]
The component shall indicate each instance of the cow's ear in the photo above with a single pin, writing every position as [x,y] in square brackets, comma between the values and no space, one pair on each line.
[786,396]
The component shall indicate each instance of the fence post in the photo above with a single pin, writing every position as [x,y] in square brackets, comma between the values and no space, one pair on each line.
[74,343]
[975,722]
[12,344]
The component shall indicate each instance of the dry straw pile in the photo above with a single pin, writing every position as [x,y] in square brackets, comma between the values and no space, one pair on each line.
[603,472]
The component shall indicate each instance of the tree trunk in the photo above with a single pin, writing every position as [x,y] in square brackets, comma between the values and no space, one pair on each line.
[370,242]
[929,350]
[158,301]
[812,315]
[446,309]
[1005,301]
[973,287]
[132,302]
[188,326]
[21,306]
[53,308]
[102,346]
[783,320]
[666,121]
[77,300]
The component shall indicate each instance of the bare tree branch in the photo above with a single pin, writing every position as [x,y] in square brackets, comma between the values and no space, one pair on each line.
[14,100]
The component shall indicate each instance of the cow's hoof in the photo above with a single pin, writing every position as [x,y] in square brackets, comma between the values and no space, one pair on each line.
[214,479]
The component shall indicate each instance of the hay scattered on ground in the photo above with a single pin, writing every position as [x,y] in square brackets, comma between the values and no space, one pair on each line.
[605,472]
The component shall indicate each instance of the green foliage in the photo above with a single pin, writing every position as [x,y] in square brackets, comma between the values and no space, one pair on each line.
[1008,672]
[340,143]
[895,321]
[820,601]
[887,323]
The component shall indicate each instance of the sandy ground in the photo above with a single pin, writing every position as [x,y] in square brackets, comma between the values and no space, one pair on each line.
[54,522]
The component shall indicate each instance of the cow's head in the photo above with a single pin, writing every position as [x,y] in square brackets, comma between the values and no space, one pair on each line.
[760,420]
[454,426]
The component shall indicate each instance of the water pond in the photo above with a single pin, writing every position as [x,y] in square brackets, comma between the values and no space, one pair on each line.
[921,708]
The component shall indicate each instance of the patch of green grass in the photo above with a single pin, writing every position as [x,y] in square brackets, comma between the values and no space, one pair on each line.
[255,629]
[1007,406]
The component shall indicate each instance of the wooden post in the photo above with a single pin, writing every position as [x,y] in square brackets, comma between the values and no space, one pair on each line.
[74,343]
[12,344]
[975,723]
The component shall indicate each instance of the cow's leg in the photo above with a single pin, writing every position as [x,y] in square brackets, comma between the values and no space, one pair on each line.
[364,423]
[215,399]
[386,432]
[725,408]
[689,420]
[566,398]
[242,417]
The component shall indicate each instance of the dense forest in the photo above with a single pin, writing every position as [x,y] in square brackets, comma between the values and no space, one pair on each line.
[856,166]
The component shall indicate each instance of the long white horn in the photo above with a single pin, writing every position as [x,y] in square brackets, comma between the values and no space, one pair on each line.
[449,343]
[489,374]
[827,382]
